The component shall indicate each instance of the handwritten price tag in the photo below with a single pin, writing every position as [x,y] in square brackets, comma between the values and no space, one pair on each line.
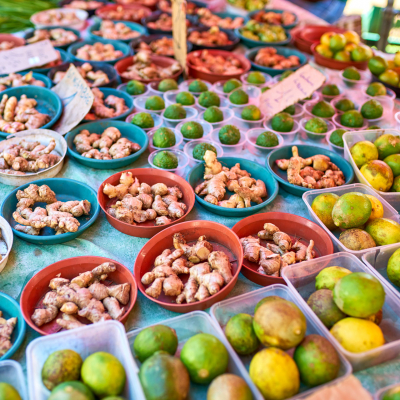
[24,57]
[77,99]
[295,87]
[179,31]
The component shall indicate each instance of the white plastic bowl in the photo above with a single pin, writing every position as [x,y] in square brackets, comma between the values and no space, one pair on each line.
[308,106]
[337,99]
[207,128]
[229,149]
[184,86]
[227,113]
[191,114]
[253,92]
[313,135]
[140,102]
[287,136]
[334,147]
[260,151]
[389,93]
[268,79]
[223,104]
[243,123]
[154,91]
[178,140]
[122,87]
[354,84]
[183,161]
[189,146]
[218,88]
[158,121]
[336,121]
[170,98]
[8,237]
[314,97]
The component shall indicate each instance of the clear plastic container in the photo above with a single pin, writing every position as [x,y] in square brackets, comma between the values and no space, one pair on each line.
[154,91]
[335,100]
[243,123]
[351,138]
[158,121]
[268,79]
[377,260]
[122,88]
[218,88]
[223,104]
[308,106]
[299,112]
[329,98]
[221,313]
[140,102]
[191,324]
[253,92]
[288,137]
[183,161]
[389,93]
[106,336]
[227,113]
[388,212]
[334,147]
[381,392]
[301,279]
[190,145]
[170,98]
[229,149]
[313,135]
[184,86]
[178,140]
[11,373]
[388,106]
[260,151]
[354,84]
[191,113]
[207,129]
[336,121]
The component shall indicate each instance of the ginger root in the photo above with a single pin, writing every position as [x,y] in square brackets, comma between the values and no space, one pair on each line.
[6,330]
[196,253]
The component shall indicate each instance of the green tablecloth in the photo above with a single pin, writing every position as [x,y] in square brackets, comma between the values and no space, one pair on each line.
[103,240]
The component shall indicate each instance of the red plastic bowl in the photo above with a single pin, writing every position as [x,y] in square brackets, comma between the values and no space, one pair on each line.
[195,73]
[103,11]
[313,33]
[152,4]
[150,176]
[6,37]
[295,226]
[37,287]
[122,65]
[222,238]
[336,64]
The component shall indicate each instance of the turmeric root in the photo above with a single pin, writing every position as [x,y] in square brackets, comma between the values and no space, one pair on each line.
[196,253]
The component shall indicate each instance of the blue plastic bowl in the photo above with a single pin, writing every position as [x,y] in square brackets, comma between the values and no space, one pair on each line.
[47,102]
[128,101]
[229,47]
[65,58]
[118,45]
[129,131]
[134,26]
[107,68]
[195,176]
[10,309]
[284,51]
[65,190]
[31,31]
[290,26]
[258,43]
[37,76]
[305,151]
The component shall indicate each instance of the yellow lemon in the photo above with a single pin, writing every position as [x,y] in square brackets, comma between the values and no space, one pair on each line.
[352,37]
[326,37]
[377,208]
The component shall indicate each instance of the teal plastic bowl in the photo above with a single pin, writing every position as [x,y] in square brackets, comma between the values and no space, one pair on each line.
[48,83]
[284,51]
[129,131]
[258,43]
[65,190]
[305,151]
[290,26]
[31,32]
[118,45]
[128,102]
[10,308]
[195,176]
[134,26]
[65,58]
[47,102]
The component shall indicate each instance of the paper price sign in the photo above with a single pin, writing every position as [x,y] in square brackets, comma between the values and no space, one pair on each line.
[77,99]
[25,57]
[179,31]
[298,86]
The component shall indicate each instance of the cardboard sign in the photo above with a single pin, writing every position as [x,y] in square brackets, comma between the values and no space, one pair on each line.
[295,87]
[179,31]
[77,99]
[24,57]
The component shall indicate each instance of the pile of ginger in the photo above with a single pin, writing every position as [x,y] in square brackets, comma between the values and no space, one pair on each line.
[277,255]
[140,202]
[209,271]
[86,296]
[107,146]
[26,156]
[316,172]
[19,115]
[109,107]
[6,329]
[58,215]
[218,178]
